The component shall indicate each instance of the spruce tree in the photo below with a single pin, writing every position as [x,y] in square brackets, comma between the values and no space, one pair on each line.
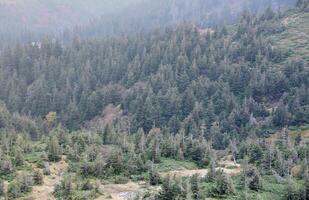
[54,149]
[37,177]
[307,185]
[224,184]
[195,188]
[2,192]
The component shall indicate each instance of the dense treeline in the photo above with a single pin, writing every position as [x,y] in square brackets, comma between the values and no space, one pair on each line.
[114,155]
[22,21]
[126,109]
[33,20]
[228,82]
[148,15]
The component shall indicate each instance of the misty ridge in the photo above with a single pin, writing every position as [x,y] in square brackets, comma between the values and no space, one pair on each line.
[33,19]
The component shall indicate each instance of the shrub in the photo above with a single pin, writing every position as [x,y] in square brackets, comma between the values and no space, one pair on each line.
[6,166]
[37,178]
[1,187]
[121,180]
[293,192]
[22,184]
[154,178]
[65,188]
[14,190]
[254,179]
[224,184]
[26,182]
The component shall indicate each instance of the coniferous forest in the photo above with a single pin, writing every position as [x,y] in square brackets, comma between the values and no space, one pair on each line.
[189,107]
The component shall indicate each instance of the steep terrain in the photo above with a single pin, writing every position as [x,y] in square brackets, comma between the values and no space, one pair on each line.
[34,19]
[179,113]
[45,191]
[296,36]
[149,15]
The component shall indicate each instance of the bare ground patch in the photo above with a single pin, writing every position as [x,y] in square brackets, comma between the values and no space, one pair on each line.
[123,191]
[228,167]
[45,191]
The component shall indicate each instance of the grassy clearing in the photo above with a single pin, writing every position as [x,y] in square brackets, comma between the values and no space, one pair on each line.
[272,189]
[295,38]
[293,131]
[171,164]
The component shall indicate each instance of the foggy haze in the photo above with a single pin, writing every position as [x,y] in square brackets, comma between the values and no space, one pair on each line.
[30,19]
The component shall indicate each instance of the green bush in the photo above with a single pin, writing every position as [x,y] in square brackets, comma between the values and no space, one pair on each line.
[38,178]
[154,178]
[223,185]
[121,180]
[14,190]
[1,187]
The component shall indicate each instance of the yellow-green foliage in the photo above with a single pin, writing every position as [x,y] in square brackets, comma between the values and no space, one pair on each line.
[295,38]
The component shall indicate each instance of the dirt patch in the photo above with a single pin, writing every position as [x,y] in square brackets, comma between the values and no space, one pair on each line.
[130,189]
[45,190]
[292,134]
[228,167]
[185,173]
[305,134]
[124,191]
[6,186]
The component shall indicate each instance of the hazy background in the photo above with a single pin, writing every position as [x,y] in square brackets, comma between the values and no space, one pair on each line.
[26,20]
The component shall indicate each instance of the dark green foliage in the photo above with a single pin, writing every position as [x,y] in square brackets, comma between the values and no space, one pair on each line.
[180,95]
[302,4]
[6,166]
[18,157]
[195,188]
[21,185]
[14,190]
[54,149]
[281,116]
[255,153]
[253,178]
[298,138]
[38,177]
[154,178]
[115,163]
[87,185]
[223,185]
[65,188]
[171,190]
[1,187]
[17,123]
[178,79]
[211,174]
[306,194]
[293,192]
[5,117]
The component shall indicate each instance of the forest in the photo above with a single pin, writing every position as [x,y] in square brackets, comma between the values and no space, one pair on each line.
[33,20]
[184,110]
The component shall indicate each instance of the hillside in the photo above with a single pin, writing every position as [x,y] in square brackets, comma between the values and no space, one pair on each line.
[35,19]
[225,80]
[181,112]
[149,15]
[296,36]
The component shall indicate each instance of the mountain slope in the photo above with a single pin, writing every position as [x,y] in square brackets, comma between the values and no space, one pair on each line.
[180,79]
[149,15]
[124,117]
[26,20]
[32,19]
[296,35]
